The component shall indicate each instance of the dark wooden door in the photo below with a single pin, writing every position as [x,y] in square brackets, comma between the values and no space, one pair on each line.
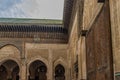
[98,47]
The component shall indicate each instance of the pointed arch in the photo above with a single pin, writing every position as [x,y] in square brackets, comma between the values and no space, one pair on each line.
[37,58]
[10,44]
[60,61]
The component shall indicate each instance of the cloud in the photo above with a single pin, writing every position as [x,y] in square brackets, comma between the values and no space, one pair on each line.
[42,9]
[8,9]
[6,4]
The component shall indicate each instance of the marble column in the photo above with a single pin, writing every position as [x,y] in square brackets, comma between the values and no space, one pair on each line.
[50,68]
[23,75]
[82,58]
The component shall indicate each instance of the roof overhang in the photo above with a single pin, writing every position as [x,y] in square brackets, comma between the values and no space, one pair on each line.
[68,7]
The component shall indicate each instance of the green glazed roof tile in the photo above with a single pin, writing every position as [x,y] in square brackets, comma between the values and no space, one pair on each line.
[31,21]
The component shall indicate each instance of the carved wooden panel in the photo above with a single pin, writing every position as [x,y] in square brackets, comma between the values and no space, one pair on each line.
[36,33]
[98,43]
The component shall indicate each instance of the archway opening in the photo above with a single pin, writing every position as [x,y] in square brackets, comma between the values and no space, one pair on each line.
[59,72]
[9,70]
[37,71]
[3,73]
[15,73]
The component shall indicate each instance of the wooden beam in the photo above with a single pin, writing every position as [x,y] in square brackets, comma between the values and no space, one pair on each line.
[84,32]
[101,1]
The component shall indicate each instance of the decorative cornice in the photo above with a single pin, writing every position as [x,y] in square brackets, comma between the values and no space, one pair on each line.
[37,33]
[33,28]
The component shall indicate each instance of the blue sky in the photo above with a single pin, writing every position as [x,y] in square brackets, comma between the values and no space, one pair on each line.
[39,9]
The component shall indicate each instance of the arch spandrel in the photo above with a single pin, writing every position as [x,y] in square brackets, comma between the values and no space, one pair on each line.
[60,61]
[9,51]
[29,61]
[18,46]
